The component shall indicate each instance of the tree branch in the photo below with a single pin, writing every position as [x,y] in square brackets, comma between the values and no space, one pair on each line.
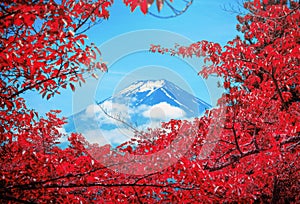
[231,161]
[118,119]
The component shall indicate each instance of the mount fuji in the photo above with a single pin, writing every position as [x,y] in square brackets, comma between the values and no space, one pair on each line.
[142,104]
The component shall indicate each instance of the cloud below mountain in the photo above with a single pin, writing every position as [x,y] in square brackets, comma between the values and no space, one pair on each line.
[164,111]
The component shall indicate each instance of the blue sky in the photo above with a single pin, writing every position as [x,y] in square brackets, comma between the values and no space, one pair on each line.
[124,40]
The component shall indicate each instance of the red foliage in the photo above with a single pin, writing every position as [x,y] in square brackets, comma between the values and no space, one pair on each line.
[254,132]
[43,46]
[144,4]
[257,155]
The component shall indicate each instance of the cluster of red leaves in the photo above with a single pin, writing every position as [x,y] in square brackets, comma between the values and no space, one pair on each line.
[144,4]
[254,132]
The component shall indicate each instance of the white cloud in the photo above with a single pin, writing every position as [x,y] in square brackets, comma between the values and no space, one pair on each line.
[164,111]
[94,114]
[89,123]
[140,109]
[114,136]
[64,138]
[152,125]
[115,107]
[61,130]
[91,110]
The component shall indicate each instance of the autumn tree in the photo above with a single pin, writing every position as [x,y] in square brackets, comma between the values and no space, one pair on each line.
[255,126]
[43,49]
[257,154]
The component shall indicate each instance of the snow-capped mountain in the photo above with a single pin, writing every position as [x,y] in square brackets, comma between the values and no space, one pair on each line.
[142,104]
[153,92]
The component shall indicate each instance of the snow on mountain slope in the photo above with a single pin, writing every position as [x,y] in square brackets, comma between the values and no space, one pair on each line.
[142,86]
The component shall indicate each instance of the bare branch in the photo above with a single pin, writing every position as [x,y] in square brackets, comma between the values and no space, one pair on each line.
[175,12]
[118,119]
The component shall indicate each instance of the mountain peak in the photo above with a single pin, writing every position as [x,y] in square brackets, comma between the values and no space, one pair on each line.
[143,86]
[153,92]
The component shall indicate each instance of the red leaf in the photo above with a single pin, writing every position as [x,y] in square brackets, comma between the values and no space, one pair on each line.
[97,50]
[104,67]
[144,6]
[159,4]
[48,96]
[82,41]
[72,87]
